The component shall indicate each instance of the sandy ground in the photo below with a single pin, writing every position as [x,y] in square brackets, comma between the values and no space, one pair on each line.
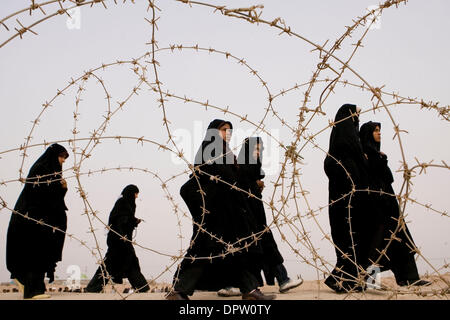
[309,290]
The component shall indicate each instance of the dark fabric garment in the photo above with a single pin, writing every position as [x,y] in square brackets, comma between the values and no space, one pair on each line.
[213,147]
[31,247]
[33,282]
[192,277]
[250,171]
[120,259]
[401,258]
[280,273]
[272,272]
[227,214]
[134,275]
[121,256]
[346,149]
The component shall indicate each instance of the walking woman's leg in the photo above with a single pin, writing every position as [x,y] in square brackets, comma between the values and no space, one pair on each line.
[137,280]
[33,284]
[188,277]
[96,283]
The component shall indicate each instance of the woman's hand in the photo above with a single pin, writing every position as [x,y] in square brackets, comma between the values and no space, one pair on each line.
[64,183]
[260,184]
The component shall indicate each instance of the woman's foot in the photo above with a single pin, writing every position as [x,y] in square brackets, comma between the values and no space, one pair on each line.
[37,296]
[256,294]
[229,292]
[290,284]
[334,285]
[345,287]
[175,295]
[421,283]
[40,296]
[19,285]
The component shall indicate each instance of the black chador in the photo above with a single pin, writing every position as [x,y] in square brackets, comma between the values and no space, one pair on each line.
[224,215]
[33,249]
[400,253]
[250,180]
[120,259]
[346,213]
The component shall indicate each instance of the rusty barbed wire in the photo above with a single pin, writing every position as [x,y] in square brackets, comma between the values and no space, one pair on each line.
[288,187]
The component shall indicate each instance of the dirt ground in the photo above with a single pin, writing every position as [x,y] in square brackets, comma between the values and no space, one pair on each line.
[309,290]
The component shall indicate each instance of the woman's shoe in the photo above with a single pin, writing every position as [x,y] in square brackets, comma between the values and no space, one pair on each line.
[19,285]
[333,285]
[345,287]
[229,292]
[290,284]
[421,283]
[174,295]
[39,297]
[257,295]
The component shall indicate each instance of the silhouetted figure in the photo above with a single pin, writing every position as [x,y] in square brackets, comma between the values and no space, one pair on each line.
[32,250]
[120,259]
[227,217]
[400,254]
[344,164]
[250,180]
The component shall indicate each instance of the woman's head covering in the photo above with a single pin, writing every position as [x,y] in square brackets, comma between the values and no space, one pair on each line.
[247,162]
[48,163]
[124,203]
[372,150]
[129,192]
[345,132]
[366,136]
[218,123]
[246,153]
[213,145]
[345,111]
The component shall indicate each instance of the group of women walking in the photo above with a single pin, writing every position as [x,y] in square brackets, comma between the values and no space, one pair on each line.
[36,232]
[231,244]
[225,222]
[366,224]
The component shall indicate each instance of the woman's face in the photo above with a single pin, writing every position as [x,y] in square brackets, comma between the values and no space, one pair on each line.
[136,195]
[257,151]
[377,134]
[225,132]
[61,160]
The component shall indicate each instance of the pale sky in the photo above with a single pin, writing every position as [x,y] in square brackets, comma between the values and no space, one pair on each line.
[407,53]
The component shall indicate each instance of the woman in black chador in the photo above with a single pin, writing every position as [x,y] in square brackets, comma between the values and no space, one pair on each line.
[32,249]
[346,214]
[400,255]
[250,179]
[120,259]
[226,216]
